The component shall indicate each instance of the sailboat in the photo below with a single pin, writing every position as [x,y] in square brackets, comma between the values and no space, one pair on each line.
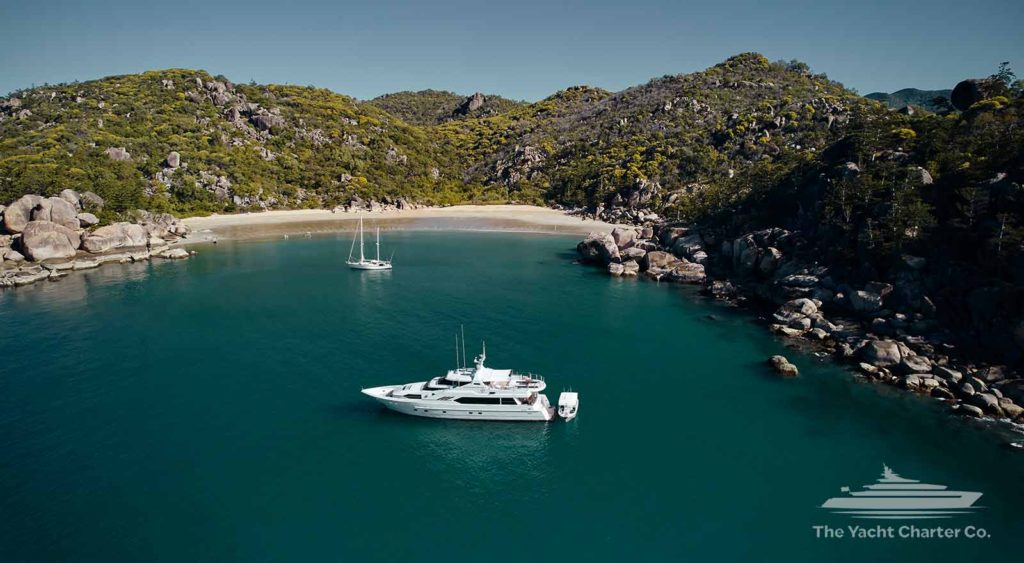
[363,263]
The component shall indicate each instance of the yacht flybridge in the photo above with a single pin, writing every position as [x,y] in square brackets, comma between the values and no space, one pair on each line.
[471,393]
[363,263]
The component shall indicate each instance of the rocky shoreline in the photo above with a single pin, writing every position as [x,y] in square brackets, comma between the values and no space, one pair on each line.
[44,238]
[888,331]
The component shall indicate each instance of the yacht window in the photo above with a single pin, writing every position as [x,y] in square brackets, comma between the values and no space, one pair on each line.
[478,400]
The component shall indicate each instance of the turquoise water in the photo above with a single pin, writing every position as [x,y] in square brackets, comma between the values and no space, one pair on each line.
[209,410]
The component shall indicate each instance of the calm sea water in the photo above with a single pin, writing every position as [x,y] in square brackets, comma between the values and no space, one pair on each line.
[209,410]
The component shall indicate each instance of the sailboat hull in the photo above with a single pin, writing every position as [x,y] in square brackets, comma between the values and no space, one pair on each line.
[369,266]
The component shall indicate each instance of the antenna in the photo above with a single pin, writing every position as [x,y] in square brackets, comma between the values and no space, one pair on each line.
[463,329]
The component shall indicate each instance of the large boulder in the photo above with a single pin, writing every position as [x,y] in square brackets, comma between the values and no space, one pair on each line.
[174,253]
[599,247]
[745,254]
[770,260]
[658,259]
[117,235]
[687,246]
[118,154]
[634,253]
[688,272]
[624,238]
[1014,389]
[160,225]
[951,376]
[969,410]
[266,122]
[668,235]
[865,301]
[783,366]
[802,305]
[63,213]
[45,240]
[41,212]
[72,197]
[882,353]
[91,201]
[19,213]
[969,92]
[915,364]
[987,402]
[88,220]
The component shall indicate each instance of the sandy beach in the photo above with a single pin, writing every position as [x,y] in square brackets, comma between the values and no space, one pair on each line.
[275,224]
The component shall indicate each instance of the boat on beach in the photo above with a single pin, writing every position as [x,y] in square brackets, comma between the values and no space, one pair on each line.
[363,263]
[471,393]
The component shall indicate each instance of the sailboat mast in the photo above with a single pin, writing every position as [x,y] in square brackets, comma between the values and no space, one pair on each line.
[361,257]
[463,329]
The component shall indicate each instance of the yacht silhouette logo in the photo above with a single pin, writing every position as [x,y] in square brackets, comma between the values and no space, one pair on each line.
[895,497]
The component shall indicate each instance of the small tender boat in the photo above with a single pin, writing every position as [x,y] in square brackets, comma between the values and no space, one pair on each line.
[568,405]
[363,263]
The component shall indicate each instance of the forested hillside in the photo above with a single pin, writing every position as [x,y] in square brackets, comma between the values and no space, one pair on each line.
[667,146]
[237,146]
[746,141]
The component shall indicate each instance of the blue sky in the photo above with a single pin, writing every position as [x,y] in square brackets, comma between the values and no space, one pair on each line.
[522,49]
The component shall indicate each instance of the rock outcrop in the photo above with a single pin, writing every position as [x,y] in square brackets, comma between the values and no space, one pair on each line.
[599,248]
[783,366]
[117,235]
[43,237]
[45,240]
[19,213]
[118,154]
[969,92]
[471,104]
[885,326]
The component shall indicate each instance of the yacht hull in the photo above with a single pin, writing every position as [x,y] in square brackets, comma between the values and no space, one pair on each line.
[538,412]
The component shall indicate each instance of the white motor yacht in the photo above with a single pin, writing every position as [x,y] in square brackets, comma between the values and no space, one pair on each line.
[471,393]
